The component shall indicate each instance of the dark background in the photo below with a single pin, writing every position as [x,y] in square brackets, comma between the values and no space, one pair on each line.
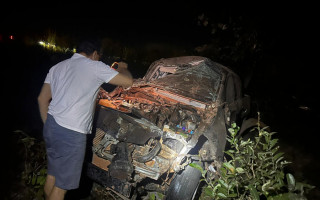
[283,86]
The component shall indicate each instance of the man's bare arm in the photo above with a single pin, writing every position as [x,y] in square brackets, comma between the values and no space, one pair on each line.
[44,99]
[124,78]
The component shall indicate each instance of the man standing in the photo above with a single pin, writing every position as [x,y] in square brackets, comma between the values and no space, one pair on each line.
[66,103]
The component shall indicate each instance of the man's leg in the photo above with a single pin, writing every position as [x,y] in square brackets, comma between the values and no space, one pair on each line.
[57,194]
[48,186]
[65,148]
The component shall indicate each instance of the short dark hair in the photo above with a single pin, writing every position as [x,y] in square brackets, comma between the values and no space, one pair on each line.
[88,45]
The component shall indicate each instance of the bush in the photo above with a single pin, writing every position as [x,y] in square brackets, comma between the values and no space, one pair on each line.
[255,170]
[34,171]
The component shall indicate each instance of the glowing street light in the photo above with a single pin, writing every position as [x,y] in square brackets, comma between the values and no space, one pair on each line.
[54,47]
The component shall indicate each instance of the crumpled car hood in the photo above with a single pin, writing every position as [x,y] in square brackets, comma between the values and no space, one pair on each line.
[191,76]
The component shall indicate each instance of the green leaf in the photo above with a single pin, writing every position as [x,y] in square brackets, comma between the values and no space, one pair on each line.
[234,125]
[223,184]
[265,186]
[240,170]
[223,172]
[250,150]
[229,166]
[266,165]
[160,195]
[278,155]
[43,181]
[230,154]
[265,146]
[209,192]
[40,179]
[272,143]
[244,143]
[233,195]
[291,182]
[198,167]
[152,196]
[43,171]
[222,190]
[203,179]
[204,173]
[273,151]
[34,178]
[231,130]
[253,192]
[216,187]
[221,195]
[278,160]
[230,151]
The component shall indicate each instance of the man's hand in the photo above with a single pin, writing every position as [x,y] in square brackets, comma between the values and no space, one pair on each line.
[122,65]
[44,99]
[124,78]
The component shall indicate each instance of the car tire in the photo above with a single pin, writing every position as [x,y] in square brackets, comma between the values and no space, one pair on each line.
[185,185]
[250,135]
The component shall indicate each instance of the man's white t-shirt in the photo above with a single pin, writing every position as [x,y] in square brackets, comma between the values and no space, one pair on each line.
[74,86]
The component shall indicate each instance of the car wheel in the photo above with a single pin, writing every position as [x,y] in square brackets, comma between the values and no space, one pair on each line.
[185,185]
[250,135]
[253,132]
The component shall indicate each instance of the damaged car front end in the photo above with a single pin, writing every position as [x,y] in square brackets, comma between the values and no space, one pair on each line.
[178,113]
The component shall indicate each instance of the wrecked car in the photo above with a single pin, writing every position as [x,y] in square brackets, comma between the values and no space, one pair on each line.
[145,136]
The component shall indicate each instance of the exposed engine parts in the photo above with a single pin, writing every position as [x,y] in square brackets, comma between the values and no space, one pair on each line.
[177,114]
[157,133]
[120,166]
[168,112]
[153,151]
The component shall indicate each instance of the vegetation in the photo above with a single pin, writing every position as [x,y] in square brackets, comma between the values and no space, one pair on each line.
[34,171]
[255,170]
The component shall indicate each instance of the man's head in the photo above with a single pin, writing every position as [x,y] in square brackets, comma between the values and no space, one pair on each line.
[90,46]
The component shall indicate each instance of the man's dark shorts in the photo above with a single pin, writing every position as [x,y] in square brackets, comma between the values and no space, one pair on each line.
[65,153]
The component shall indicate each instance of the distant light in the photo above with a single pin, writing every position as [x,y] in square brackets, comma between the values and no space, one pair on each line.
[54,47]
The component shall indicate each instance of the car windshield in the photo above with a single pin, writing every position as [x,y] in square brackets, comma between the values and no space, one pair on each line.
[197,79]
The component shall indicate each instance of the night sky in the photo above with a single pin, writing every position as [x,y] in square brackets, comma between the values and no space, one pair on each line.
[292,26]
[285,81]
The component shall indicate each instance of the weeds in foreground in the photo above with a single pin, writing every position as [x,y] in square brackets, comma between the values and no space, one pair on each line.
[33,175]
[255,171]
